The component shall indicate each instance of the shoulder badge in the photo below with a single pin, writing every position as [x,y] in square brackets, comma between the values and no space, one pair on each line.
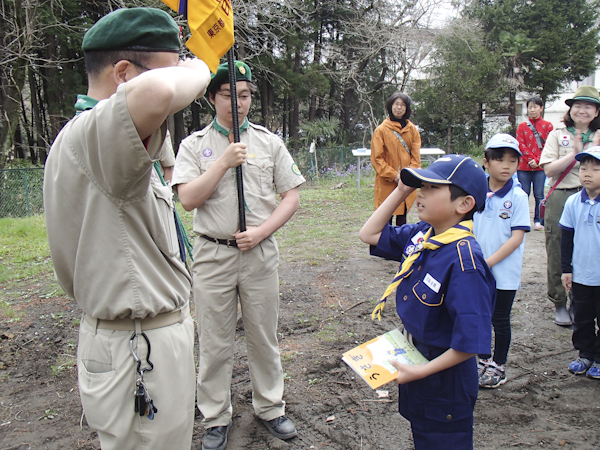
[295,169]
[465,255]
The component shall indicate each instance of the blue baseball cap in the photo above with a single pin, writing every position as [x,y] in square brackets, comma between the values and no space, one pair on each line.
[592,151]
[459,170]
[503,140]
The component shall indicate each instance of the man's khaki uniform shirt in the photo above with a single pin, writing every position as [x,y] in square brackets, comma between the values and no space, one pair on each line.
[559,143]
[109,220]
[269,170]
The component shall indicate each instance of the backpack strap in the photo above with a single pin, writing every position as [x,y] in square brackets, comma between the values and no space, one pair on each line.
[401,141]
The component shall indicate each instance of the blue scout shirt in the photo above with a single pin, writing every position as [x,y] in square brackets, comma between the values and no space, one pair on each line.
[582,215]
[448,299]
[505,210]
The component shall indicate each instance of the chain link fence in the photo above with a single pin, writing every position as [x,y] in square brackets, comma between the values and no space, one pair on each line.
[329,162]
[21,192]
[21,189]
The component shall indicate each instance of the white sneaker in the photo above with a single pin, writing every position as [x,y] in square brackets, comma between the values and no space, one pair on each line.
[538,226]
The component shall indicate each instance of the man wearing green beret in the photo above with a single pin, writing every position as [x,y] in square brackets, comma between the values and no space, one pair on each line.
[113,237]
[229,264]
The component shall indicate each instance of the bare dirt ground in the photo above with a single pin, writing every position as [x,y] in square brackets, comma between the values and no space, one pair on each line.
[325,310]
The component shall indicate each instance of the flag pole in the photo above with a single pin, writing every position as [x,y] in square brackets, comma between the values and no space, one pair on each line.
[236,138]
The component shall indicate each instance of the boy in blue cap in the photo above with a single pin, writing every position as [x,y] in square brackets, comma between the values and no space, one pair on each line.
[445,296]
[500,230]
[580,246]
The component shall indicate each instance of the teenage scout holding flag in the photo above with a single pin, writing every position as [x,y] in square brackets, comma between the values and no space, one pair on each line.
[231,261]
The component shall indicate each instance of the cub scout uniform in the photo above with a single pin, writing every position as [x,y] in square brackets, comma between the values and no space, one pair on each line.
[114,247]
[505,210]
[559,143]
[445,301]
[222,272]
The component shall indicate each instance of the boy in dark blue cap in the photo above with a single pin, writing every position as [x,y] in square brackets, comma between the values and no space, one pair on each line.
[445,297]
[580,246]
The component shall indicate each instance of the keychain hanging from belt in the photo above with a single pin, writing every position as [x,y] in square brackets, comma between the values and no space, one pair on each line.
[144,405]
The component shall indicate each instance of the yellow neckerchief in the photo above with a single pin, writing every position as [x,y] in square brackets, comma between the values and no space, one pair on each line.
[457,232]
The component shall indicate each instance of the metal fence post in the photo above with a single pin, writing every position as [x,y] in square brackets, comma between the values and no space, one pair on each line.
[26,192]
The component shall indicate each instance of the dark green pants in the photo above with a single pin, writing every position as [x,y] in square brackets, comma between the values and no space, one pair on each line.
[554,209]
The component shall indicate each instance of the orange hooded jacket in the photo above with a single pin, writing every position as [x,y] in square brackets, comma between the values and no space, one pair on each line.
[388,157]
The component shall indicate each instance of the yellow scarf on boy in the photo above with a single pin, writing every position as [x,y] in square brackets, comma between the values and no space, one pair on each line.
[456,233]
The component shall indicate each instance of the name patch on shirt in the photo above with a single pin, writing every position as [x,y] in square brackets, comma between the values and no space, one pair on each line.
[432,283]
[417,238]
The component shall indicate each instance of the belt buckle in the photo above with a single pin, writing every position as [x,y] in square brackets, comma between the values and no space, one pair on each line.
[228,243]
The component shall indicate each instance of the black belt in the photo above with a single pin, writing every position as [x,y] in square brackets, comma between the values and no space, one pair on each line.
[227,242]
[569,189]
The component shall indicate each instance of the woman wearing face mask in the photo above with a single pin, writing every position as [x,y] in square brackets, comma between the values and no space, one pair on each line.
[581,123]
[395,144]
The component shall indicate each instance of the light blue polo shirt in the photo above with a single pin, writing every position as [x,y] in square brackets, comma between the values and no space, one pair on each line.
[582,214]
[505,210]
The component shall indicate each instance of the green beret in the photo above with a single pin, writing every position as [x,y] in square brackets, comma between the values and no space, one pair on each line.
[138,29]
[242,73]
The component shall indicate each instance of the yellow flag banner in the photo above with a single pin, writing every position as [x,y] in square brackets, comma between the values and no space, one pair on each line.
[211,24]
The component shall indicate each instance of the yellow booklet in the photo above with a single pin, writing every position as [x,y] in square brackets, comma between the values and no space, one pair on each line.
[371,359]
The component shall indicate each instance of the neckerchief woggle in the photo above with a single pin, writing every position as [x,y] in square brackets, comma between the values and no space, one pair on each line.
[456,233]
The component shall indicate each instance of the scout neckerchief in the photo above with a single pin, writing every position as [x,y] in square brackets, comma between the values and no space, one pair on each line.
[228,133]
[84,103]
[182,237]
[585,138]
[457,232]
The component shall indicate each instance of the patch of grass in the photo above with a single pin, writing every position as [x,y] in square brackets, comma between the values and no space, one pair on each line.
[63,364]
[8,313]
[24,250]
[327,223]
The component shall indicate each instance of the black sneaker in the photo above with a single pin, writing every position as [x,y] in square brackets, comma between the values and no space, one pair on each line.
[281,427]
[216,438]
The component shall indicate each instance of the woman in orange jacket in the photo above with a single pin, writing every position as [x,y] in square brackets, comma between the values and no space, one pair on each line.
[395,144]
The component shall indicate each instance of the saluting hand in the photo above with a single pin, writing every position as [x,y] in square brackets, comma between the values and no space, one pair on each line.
[235,154]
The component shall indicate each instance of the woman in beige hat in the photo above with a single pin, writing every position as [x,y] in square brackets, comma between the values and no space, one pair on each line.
[579,132]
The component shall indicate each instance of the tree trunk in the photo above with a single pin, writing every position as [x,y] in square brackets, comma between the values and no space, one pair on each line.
[512,112]
[178,128]
[449,139]
[196,125]
[480,125]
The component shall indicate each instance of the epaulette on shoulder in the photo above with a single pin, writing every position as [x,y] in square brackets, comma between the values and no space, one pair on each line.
[465,255]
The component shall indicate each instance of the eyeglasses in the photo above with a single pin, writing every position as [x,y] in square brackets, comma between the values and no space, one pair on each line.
[242,97]
[141,66]
[135,63]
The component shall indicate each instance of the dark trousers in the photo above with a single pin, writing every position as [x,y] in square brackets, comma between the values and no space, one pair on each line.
[501,324]
[537,178]
[586,312]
